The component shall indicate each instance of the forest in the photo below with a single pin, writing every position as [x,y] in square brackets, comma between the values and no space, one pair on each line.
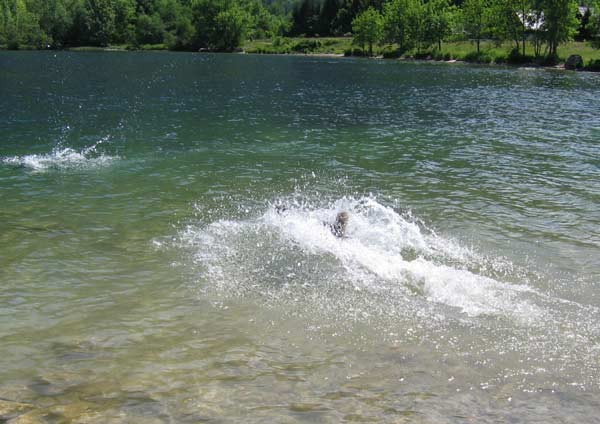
[223,25]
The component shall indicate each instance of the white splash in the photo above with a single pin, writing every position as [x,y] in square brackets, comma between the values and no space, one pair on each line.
[63,158]
[384,252]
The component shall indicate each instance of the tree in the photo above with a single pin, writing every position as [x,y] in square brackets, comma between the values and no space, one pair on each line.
[125,21]
[560,23]
[327,15]
[396,23]
[219,25]
[594,25]
[98,21]
[418,24]
[583,32]
[305,18]
[475,14]
[350,9]
[204,15]
[20,25]
[56,21]
[535,21]
[231,25]
[516,17]
[437,21]
[149,29]
[368,29]
[183,33]
[260,22]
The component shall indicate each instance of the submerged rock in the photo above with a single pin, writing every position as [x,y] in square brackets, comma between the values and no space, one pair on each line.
[33,417]
[11,409]
[80,411]
[574,62]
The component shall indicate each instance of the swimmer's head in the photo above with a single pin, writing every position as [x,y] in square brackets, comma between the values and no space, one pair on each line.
[341,221]
[342,217]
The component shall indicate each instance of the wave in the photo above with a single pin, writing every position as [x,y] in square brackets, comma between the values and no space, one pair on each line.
[387,253]
[63,158]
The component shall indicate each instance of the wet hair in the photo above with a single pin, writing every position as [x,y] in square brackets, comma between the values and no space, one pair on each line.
[339,226]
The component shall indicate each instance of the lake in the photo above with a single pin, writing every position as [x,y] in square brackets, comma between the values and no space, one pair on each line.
[165,253]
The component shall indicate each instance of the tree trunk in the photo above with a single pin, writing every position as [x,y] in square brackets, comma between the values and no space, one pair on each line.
[524,29]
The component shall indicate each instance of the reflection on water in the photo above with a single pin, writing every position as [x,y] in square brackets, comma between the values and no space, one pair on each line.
[147,275]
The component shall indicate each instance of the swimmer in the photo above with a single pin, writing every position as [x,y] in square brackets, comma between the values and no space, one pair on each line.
[338,228]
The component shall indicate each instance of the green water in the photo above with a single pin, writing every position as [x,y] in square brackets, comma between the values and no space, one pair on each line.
[146,275]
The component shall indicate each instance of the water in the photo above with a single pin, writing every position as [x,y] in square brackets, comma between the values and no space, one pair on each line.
[147,275]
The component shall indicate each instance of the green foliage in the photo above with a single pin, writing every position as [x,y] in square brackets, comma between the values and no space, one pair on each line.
[286,45]
[437,21]
[594,24]
[149,29]
[406,26]
[368,29]
[218,25]
[306,46]
[19,27]
[55,20]
[397,22]
[593,65]
[476,19]
[391,53]
[560,23]
[98,20]
[125,22]
[231,25]
[178,24]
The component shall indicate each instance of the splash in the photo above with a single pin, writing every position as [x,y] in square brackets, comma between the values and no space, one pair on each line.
[63,158]
[388,254]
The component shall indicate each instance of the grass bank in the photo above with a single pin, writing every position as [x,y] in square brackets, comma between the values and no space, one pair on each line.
[460,50]
[492,53]
[119,47]
[288,45]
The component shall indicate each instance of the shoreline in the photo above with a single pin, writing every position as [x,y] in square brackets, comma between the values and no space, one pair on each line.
[92,49]
[559,67]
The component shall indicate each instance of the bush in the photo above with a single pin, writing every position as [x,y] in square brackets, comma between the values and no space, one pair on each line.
[475,57]
[501,60]
[13,45]
[354,52]
[158,46]
[391,54]
[516,58]
[149,29]
[549,60]
[422,56]
[306,46]
[279,41]
[593,65]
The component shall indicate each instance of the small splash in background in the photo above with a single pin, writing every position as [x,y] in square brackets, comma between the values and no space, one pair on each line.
[64,158]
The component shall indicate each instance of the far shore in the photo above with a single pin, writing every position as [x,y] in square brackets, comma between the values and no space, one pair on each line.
[559,67]
[258,47]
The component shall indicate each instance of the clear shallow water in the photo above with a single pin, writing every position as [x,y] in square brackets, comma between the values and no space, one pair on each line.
[147,277]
